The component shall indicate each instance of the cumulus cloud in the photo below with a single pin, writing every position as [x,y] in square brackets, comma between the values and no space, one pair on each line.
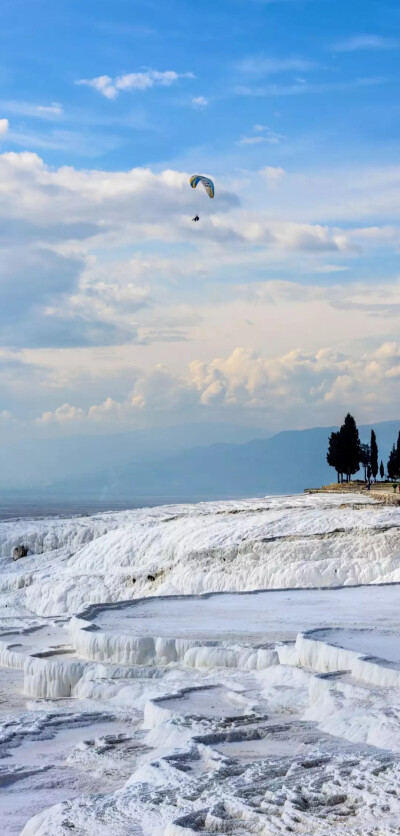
[153,391]
[114,208]
[380,300]
[63,213]
[52,219]
[359,43]
[282,236]
[63,414]
[247,380]
[272,174]
[111,87]
[61,202]
[200,102]
[77,275]
[50,273]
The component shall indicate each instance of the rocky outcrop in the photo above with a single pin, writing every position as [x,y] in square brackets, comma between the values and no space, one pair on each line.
[19,551]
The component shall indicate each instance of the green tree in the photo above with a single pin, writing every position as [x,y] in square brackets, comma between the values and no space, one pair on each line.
[397,459]
[374,455]
[365,459]
[334,455]
[382,471]
[391,467]
[351,447]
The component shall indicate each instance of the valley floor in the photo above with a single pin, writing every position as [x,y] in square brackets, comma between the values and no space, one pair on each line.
[229,667]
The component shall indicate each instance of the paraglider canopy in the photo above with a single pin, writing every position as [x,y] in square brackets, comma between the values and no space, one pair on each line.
[206,182]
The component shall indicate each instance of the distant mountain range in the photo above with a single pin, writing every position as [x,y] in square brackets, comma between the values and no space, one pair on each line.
[284,463]
[40,462]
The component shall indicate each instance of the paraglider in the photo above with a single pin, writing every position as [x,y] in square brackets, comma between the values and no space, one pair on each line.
[207,183]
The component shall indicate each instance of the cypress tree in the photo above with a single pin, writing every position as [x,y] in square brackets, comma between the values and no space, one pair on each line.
[392,463]
[334,454]
[365,458]
[382,471]
[397,460]
[374,455]
[351,446]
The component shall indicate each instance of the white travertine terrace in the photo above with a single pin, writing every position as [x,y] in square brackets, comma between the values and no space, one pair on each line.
[137,704]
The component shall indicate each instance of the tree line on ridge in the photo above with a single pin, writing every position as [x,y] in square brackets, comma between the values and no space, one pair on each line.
[347,454]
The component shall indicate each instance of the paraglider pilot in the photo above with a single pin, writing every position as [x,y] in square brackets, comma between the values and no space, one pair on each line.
[208,185]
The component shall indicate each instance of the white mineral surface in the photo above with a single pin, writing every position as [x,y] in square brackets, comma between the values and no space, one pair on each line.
[230,667]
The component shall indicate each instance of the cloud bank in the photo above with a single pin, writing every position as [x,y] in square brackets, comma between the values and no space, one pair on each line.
[111,87]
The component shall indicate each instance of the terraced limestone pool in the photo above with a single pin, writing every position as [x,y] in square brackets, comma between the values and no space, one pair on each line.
[245,710]
[258,616]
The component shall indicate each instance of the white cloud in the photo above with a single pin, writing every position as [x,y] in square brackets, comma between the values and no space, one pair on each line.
[366,42]
[245,379]
[200,102]
[284,236]
[269,136]
[96,306]
[6,416]
[113,208]
[102,83]
[273,174]
[301,89]
[111,87]
[21,108]
[62,415]
[4,125]
[329,268]
[380,300]
[298,379]
[55,109]
[252,140]
[260,65]
[85,143]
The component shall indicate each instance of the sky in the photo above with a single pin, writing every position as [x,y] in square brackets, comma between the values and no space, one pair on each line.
[281,307]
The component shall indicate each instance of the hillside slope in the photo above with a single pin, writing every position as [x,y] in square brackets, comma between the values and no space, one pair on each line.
[285,463]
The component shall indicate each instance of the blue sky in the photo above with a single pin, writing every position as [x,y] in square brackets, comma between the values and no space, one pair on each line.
[282,306]
[306,68]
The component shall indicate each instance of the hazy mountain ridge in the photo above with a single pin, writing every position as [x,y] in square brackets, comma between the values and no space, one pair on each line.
[285,463]
[40,462]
